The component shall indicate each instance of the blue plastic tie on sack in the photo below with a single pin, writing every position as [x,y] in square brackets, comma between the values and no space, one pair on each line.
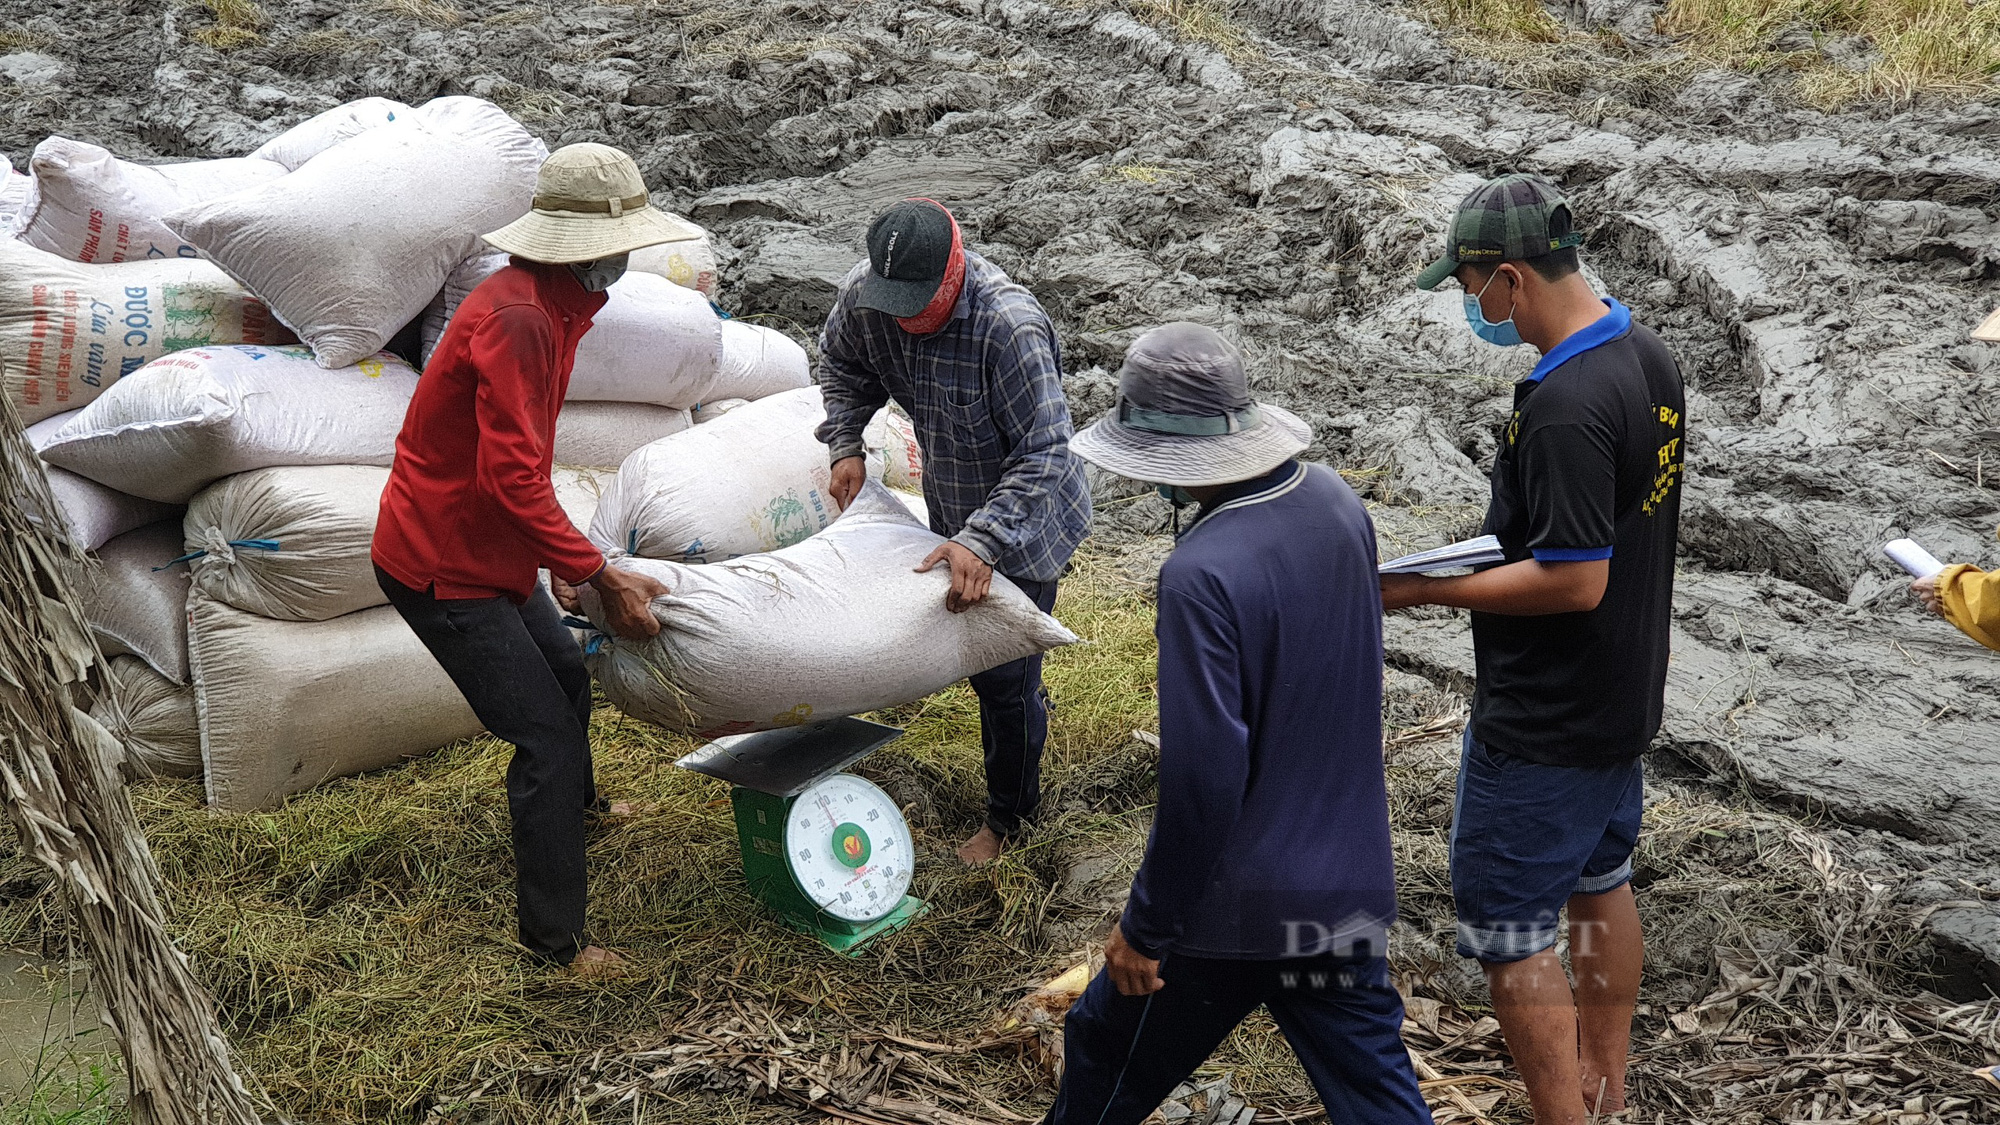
[632,542]
[245,544]
[720,311]
[591,644]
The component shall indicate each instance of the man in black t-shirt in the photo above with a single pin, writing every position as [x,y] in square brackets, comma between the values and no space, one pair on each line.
[1570,637]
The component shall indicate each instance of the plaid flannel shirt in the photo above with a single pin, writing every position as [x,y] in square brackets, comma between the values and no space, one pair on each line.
[986,399]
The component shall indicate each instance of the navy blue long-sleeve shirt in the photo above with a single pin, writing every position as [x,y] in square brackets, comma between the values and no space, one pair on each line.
[1271,837]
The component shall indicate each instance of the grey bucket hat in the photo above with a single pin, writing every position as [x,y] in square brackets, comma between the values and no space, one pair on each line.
[1185,416]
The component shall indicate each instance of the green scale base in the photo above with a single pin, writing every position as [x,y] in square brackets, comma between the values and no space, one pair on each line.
[767,772]
[760,833]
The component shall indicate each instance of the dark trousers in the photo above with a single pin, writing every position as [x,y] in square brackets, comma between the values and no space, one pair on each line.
[522,672]
[1122,1055]
[1013,727]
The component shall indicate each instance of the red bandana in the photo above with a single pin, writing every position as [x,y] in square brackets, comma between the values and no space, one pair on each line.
[938,313]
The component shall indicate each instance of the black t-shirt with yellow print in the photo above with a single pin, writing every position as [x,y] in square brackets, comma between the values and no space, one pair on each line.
[1589,468]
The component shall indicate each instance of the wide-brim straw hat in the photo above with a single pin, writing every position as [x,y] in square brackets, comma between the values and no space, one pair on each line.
[1185,416]
[590,203]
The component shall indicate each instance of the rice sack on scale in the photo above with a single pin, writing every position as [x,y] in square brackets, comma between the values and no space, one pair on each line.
[835,625]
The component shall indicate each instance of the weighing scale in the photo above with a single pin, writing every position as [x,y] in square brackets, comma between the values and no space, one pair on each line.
[828,851]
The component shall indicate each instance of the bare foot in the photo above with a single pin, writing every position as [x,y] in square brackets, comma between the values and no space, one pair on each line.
[982,849]
[596,963]
[1601,1098]
[618,811]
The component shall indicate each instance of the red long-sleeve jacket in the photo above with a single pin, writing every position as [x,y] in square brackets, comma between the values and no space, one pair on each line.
[470,511]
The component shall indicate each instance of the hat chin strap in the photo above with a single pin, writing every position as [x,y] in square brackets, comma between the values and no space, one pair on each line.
[1188,425]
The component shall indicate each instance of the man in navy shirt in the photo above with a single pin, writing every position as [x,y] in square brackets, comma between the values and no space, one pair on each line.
[1570,639]
[1267,878]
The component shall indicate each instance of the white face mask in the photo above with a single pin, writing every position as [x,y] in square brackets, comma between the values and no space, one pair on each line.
[599,275]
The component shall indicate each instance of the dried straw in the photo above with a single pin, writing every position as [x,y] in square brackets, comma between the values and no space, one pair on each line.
[66,797]
[360,942]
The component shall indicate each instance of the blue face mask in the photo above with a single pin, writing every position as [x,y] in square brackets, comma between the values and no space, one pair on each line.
[1500,332]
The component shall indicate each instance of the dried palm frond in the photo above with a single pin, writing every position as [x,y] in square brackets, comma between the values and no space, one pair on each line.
[66,796]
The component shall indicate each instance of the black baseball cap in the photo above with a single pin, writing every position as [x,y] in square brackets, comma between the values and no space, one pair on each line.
[909,250]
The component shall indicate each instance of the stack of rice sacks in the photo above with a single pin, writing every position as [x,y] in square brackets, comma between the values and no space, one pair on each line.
[199,351]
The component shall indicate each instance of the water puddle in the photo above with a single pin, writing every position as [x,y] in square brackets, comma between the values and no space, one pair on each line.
[54,1053]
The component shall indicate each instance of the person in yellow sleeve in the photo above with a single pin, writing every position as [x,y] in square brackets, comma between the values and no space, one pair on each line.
[1966,596]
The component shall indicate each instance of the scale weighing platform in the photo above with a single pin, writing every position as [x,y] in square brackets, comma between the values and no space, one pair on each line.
[828,851]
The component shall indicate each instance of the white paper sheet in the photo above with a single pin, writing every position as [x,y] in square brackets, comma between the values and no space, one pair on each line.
[1471,552]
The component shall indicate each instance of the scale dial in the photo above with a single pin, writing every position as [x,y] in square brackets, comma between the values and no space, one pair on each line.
[848,848]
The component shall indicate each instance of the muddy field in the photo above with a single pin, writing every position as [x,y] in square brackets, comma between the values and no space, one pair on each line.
[1280,173]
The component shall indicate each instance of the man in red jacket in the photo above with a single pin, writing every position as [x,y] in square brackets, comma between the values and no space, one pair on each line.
[470,514]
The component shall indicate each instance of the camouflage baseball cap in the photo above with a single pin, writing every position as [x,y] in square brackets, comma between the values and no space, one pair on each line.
[1504,220]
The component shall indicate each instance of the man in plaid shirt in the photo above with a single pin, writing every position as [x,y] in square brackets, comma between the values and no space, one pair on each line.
[971,357]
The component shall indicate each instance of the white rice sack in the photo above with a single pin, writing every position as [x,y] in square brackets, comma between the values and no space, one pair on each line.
[758,362]
[316,134]
[96,514]
[289,543]
[13,197]
[92,513]
[601,435]
[578,491]
[152,717]
[89,206]
[753,480]
[458,285]
[690,263]
[891,437]
[136,599]
[836,625]
[286,705]
[200,415]
[68,330]
[653,341]
[480,122]
[40,434]
[355,243]
[710,411]
[914,501]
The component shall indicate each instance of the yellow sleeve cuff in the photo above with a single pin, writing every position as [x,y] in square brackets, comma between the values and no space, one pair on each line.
[1971,601]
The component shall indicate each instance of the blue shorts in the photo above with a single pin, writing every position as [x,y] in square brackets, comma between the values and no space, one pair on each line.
[1525,837]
